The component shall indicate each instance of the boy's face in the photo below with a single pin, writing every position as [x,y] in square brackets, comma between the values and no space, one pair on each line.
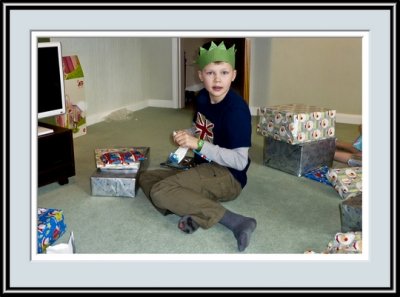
[217,78]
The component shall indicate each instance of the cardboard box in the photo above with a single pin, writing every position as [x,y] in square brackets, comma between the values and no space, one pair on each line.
[75,116]
[118,182]
[296,123]
[351,214]
[346,181]
[298,159]
[51,226]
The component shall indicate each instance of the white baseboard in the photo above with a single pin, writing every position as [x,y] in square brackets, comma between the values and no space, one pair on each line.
[340,117]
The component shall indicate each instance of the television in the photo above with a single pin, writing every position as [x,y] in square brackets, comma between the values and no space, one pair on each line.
[51,93]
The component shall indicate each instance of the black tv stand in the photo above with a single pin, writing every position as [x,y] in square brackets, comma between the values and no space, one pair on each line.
[56,162]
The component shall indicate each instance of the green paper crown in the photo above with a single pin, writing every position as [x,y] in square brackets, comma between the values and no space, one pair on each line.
[216,53]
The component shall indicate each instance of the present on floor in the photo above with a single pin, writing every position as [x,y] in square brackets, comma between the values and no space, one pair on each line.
[342,243]
[50,227]
[298,159]
[119,158]
[118,181]
[296,123]
[351,214]
[319,175]
[346,181]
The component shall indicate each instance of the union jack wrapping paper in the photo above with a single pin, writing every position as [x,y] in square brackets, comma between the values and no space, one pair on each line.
[119,158]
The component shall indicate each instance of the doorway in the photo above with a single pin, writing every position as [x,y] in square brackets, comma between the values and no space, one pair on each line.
[190,83]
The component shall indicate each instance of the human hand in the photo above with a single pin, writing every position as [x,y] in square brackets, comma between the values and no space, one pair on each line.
[184,139]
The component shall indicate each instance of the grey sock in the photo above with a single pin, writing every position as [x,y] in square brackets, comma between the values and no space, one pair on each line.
[241,226]
[187,224]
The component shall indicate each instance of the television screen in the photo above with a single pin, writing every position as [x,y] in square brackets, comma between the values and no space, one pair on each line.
[51,96]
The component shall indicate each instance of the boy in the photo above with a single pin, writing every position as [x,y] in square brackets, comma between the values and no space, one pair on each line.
[221,138]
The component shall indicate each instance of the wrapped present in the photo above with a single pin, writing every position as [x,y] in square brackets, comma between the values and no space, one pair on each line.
[298,159]
[319,175]
[346,181]
[51,226]
[120,158]
[119,182]
[296,123]
[343,243]
[351,214]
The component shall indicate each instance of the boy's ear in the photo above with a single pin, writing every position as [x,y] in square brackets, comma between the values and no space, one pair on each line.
[200,75]
[234,74]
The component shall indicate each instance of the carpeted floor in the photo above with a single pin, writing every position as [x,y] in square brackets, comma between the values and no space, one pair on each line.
[294,214]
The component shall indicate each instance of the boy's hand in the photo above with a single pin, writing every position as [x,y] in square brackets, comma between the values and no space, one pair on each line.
[184,139]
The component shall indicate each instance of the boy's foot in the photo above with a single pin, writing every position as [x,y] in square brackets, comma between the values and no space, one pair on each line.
[243,232]
[187,224]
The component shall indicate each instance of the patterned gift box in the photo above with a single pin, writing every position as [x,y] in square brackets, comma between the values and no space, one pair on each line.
[346,181]
[298,159]
[51,226]
[296,123]
[343,243]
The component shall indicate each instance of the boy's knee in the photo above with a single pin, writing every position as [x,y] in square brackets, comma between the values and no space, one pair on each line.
[156,193]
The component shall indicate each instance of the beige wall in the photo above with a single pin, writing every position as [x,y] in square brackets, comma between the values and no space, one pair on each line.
[324,72]
[112,68]
[156,77]
[128,71]
[122,72]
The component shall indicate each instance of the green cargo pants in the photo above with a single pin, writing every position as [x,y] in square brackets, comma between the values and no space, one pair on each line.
[196,192]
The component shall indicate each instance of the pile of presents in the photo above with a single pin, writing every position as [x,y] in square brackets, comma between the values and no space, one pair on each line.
[117,171]
[116,174]
[300,140]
